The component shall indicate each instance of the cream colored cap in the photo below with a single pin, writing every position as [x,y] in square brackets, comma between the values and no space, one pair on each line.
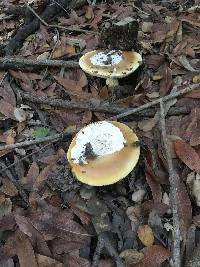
[117,160]
[110,63]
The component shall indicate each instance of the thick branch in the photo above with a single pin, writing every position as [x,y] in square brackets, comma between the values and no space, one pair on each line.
[24,64]
[59,103]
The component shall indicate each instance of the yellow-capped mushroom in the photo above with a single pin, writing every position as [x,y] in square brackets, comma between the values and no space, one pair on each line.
[103,153]
[110,64]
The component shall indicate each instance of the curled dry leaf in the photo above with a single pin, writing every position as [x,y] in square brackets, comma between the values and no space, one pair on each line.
[153,256]
[131,256]
[145,235]
[187,154]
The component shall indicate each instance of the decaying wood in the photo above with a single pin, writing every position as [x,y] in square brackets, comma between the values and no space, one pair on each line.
[26,64]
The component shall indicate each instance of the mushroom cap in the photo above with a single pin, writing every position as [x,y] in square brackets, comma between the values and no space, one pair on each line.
[108,169]
[110,63]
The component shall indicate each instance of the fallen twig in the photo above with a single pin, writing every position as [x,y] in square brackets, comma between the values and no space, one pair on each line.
[156,102]
[173,191]
[103,109]
[32,142]
[105,242]
[98,249]
[88,106]
[23,63]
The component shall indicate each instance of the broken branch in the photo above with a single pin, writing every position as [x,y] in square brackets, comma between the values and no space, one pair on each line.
[24,63]
[156,102]
[173,190]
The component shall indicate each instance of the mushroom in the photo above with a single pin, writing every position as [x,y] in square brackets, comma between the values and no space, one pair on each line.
[110,64]
[103,153]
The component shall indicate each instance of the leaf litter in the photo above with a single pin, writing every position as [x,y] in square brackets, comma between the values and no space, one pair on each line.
[63,222]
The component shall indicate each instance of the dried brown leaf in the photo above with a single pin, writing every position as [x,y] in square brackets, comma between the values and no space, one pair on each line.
[155,188]
[131,256]
[89,13]
[4,152]
[7,222]
[24,80]
[41,178]
[25,251]
[166,81]
[146,235]
[196,220]
[8,95]
[8,188]
[44,261]
[83,216]
[5,205]
[192,19]
[184,207]
[185,63]
[6,109]
[153,256]
[158,32]
[187,154]
[9,249]
[32,174]
[106,263]
[72,87]
[147,125]
[154,61]
[148,206]
[52,159]
[194,94]
[87,117]
[27,228]
[74,261]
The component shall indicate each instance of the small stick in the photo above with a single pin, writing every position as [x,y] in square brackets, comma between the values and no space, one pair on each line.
[60,103]
[111,250]
[98,249]
[157,101]
[59,136]
[173,191]
[22,63]
[53,138]
[68,28]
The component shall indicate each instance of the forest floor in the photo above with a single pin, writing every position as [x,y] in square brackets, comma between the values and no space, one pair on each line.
[47,217]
